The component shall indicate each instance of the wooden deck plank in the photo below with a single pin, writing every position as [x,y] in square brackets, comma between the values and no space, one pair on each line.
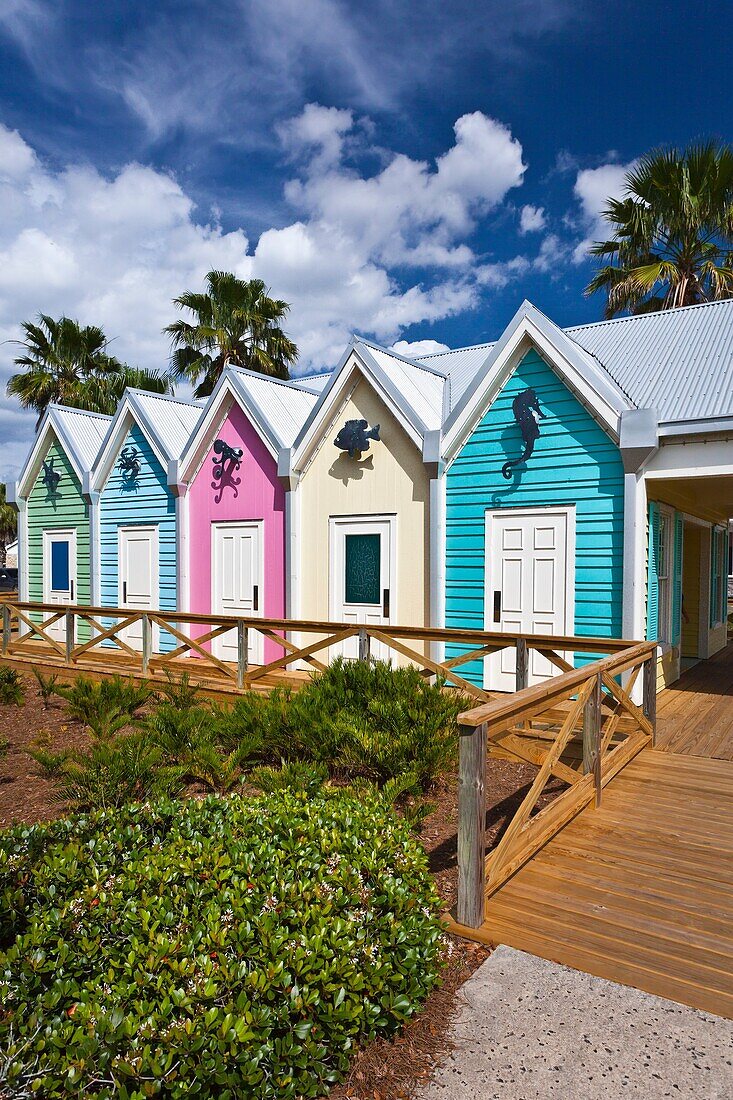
[640,890]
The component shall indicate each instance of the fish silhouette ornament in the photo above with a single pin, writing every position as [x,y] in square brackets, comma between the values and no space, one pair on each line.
[355,435]
[527,413]
[51,477]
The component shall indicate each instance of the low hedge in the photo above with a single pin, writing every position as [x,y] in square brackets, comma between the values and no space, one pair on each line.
[227,948]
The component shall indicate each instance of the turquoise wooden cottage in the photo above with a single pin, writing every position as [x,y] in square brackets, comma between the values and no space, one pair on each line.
[616,523]
[140,514]
[55,554]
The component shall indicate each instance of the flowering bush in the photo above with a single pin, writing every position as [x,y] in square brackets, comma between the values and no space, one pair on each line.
[224,948]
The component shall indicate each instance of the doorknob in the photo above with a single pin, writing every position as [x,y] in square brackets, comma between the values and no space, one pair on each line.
[497,606]
[385,603]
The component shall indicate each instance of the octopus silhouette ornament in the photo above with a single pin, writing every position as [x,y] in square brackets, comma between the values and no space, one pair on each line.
[354,437]
[226,460]
[527,413]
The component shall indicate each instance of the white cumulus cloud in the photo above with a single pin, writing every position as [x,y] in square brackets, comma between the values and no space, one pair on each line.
[593,188]
[531,219]
[374,253]
[412,348]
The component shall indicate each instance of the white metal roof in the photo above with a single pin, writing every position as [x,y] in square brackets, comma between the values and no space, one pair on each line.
[85,431]
[171,420]
[677,361]
[460,365]
[315,382]
[422,386]
[284,406]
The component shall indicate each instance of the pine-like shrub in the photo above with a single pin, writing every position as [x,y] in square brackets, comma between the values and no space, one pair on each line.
[225,948]
[11,687]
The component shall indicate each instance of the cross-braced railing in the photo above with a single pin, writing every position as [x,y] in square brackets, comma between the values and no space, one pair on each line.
[585,708]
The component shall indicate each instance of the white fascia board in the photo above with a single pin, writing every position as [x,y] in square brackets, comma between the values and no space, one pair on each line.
[50,424]
[392,396]
[710,425]
[530,328]
[693,458]
[257,416]
[128,413]
[355,363]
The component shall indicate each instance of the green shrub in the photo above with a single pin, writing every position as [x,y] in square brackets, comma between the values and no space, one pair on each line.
[180,692]
[190,739]
[217,949]
[113,772]
[11,686]
[46,686]
[294,776]
[50,763]
[106,707]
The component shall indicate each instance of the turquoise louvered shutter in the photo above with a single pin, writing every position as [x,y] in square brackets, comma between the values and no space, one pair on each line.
[714,576]
[679,528]
[652,587]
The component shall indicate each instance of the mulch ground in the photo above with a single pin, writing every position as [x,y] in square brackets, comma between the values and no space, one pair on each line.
[385,1070]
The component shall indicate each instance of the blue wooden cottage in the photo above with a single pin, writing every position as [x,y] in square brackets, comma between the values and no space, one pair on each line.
[588,482]
[140,515]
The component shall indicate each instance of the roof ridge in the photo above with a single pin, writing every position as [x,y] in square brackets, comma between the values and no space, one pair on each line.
[452,351]
[56,405]
[644,316]
[288,383]
[193,404]
[402,358]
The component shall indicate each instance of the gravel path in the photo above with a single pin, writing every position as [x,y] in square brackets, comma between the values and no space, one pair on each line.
[528,1028]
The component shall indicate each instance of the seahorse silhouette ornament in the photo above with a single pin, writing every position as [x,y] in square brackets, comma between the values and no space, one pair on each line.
[527,413]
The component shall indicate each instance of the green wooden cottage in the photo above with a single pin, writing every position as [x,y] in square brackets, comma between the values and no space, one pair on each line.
[55,552]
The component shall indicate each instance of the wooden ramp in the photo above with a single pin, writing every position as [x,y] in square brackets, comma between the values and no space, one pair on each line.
[640,889]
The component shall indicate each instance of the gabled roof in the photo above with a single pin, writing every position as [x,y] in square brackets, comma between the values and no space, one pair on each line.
[314,382]
[678,362]
[580,371]
[276,409]
[166,422]
[414,393]
[79,432]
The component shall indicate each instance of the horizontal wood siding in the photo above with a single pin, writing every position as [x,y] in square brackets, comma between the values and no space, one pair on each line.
[574,462]
[50,511]
[146,501]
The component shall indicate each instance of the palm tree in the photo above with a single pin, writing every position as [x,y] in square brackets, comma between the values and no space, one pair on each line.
[672,239]
[236,323]
[70,365]
[8,525]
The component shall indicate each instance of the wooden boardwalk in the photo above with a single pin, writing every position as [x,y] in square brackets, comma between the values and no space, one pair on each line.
[640,890]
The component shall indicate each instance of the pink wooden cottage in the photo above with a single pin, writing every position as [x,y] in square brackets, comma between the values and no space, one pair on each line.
[236,508]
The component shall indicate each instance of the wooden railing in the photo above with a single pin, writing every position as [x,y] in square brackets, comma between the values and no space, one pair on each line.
[584,708]
[72,636]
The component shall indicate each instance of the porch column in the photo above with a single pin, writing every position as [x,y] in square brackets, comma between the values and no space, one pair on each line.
[437,562]
[634,566]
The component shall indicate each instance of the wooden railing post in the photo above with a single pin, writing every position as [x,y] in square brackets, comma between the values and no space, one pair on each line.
[147,643]
[592,735]
[471,825]
[364,645]
[6,627]
[649,705]
[522,676]
[242,653]
[69,634]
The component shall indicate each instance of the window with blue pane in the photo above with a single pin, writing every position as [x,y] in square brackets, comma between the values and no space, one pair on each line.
[60,566]
[363,569]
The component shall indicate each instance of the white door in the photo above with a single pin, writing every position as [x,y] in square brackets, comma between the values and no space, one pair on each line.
[362,577]
[237,584]
[59,573]
[529,585]
[138,576]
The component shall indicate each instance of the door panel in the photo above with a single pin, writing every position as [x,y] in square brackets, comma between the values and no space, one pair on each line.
[361,578]
[237,584]
[59,573]
[138,579]
[530,556]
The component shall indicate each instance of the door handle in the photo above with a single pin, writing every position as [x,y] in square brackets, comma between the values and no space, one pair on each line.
[256,598]
[124,592]
[72,591]
[497,606]
[385,603]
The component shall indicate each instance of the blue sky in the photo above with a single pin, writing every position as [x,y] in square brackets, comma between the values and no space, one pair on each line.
[408,170]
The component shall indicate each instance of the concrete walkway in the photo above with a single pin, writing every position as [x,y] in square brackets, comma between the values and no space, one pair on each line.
[529,1028]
